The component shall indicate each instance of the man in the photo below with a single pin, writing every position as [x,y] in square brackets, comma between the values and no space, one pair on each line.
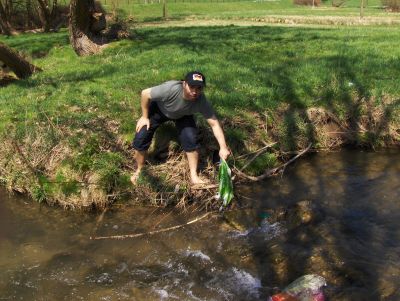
[177,101]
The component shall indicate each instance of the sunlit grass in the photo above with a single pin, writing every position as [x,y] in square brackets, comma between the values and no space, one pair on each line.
[245,9]
[250,70]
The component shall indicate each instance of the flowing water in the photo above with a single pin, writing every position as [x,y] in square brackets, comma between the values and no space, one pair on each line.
[348,231]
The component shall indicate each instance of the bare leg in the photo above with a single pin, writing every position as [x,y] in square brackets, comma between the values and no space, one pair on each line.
[140,157]
[193,159]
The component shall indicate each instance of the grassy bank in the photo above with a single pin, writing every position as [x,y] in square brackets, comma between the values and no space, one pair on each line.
[67,130]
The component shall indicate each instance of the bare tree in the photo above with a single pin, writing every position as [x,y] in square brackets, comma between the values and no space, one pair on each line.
[47,13]
[84,27]
[18,64]
[5,9]
[30,14]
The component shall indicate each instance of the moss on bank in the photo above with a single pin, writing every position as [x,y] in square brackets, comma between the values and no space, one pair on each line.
[67,131]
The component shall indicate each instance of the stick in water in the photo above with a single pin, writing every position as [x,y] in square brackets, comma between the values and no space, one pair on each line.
[151,232]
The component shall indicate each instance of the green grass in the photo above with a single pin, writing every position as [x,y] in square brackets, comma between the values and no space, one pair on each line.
[249,70]
[248,9]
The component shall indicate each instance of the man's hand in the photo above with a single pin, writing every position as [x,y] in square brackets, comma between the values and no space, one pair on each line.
[143,121]
[224,153]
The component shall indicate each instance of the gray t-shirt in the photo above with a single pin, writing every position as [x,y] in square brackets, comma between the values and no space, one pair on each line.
[169,97]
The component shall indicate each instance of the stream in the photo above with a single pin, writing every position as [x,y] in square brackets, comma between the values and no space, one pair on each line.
[336,215]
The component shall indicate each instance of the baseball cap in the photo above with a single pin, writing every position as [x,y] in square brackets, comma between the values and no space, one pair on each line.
[195,78]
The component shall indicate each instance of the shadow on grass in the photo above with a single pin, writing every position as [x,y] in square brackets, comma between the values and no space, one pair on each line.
[39,45]
[254,53]
[75,77]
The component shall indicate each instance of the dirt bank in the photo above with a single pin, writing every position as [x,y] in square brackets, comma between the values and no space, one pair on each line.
[40,165]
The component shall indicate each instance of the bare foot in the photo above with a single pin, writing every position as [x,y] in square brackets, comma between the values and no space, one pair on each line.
[135,177]
[203,184]
[196,181]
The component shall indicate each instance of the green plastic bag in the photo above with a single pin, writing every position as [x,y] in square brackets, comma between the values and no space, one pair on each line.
[225,189]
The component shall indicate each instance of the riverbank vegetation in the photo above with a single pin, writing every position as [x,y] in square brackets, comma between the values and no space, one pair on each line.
[66,131]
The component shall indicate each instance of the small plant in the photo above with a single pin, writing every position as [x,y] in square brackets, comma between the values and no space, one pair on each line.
[38,194]
[42,191]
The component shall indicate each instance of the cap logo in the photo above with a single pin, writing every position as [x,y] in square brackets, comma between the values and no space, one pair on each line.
[197,77]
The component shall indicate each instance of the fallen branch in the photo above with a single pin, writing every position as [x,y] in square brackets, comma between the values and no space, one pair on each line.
[16,62]
[272,171]
[151,232]
[204,186]
[258,153]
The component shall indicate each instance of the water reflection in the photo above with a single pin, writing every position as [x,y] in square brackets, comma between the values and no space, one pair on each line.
[335,215]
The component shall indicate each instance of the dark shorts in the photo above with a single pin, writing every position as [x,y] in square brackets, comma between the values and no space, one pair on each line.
[186,126]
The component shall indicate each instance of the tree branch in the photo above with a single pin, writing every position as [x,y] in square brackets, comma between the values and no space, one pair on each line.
[270,172]
[151,232]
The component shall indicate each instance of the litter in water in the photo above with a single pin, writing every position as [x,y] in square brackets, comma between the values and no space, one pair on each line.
[225,188]
[305,288]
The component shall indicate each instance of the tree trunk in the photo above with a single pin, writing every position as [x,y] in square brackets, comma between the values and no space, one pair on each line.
[5,26]
[21,67]
[29,18]
[45,15]
[80,27]
[48,13]
[165,12]
[361,9]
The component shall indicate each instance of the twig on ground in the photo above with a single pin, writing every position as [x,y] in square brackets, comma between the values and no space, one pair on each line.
[266,122]
[206,203]
[204,187]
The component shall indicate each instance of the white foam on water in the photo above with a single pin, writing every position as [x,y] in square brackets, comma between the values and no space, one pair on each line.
[122,267]
[246,281]
[267,230]
[191,295]
[162,293]
[104,278]
[198,254]
[238,233]
[237,284]
[271,230]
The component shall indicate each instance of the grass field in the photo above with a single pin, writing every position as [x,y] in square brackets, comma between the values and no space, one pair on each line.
[262,67]
[80,111]
[240,10]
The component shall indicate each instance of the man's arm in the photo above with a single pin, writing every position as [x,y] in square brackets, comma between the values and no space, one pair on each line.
[219,135]
[145,103]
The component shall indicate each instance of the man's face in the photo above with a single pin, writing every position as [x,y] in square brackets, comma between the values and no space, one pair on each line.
[191,92]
